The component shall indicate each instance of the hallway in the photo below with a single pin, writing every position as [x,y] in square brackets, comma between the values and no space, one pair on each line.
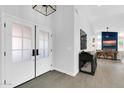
[109,74]
[32,44]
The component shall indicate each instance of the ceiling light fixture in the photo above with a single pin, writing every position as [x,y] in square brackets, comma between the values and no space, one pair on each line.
[45,9]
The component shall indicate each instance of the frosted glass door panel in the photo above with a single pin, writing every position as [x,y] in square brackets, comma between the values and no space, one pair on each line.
[17,56]
[26,32]
[16,30]
[46,36]
[41,35]
[43,44]
[16,43]
[41,53]
[27,55]
[21,40]
[46,53]
[26,43]
[46,44]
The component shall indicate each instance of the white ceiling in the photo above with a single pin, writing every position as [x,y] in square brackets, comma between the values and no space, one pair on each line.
[105,15]
[105,10]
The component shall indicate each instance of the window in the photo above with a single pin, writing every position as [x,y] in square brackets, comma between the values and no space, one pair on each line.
[98,42]
[21,43]
[43,44]
[120,41]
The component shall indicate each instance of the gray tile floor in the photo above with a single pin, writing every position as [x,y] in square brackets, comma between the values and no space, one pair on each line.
[109,73]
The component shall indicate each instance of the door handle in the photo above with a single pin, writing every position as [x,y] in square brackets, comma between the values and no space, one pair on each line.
[37,52]
[33,52]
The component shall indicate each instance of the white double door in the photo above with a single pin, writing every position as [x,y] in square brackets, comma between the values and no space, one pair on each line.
[27,51]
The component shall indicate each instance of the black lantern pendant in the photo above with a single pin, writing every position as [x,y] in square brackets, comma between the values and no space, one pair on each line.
[45,9]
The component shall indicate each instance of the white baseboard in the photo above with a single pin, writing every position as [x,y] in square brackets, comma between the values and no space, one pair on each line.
[66,72]
[76,73]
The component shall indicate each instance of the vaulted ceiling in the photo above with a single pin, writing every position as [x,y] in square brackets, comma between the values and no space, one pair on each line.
[105,15]
[98,12]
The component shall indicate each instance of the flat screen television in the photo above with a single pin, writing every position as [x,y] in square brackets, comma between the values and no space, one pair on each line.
[83,40]
[110,40]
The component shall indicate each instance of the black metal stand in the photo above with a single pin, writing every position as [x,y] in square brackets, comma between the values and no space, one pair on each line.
[85,57]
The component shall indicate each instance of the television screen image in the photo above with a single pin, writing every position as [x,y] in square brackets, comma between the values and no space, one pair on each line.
[109,43]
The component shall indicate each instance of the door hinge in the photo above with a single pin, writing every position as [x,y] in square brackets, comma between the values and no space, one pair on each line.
[51,50]
[51,35]
[4,53]
[4,82]
[4,25]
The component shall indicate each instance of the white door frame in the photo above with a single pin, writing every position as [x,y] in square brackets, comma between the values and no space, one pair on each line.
[3,18]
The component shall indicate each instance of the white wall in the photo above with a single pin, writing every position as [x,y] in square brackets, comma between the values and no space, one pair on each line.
[63,39]
[81,21]
[76,40]
[85,24]
[66,23]
[0,54]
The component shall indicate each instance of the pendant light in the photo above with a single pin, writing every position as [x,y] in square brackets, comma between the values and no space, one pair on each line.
[45,9]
